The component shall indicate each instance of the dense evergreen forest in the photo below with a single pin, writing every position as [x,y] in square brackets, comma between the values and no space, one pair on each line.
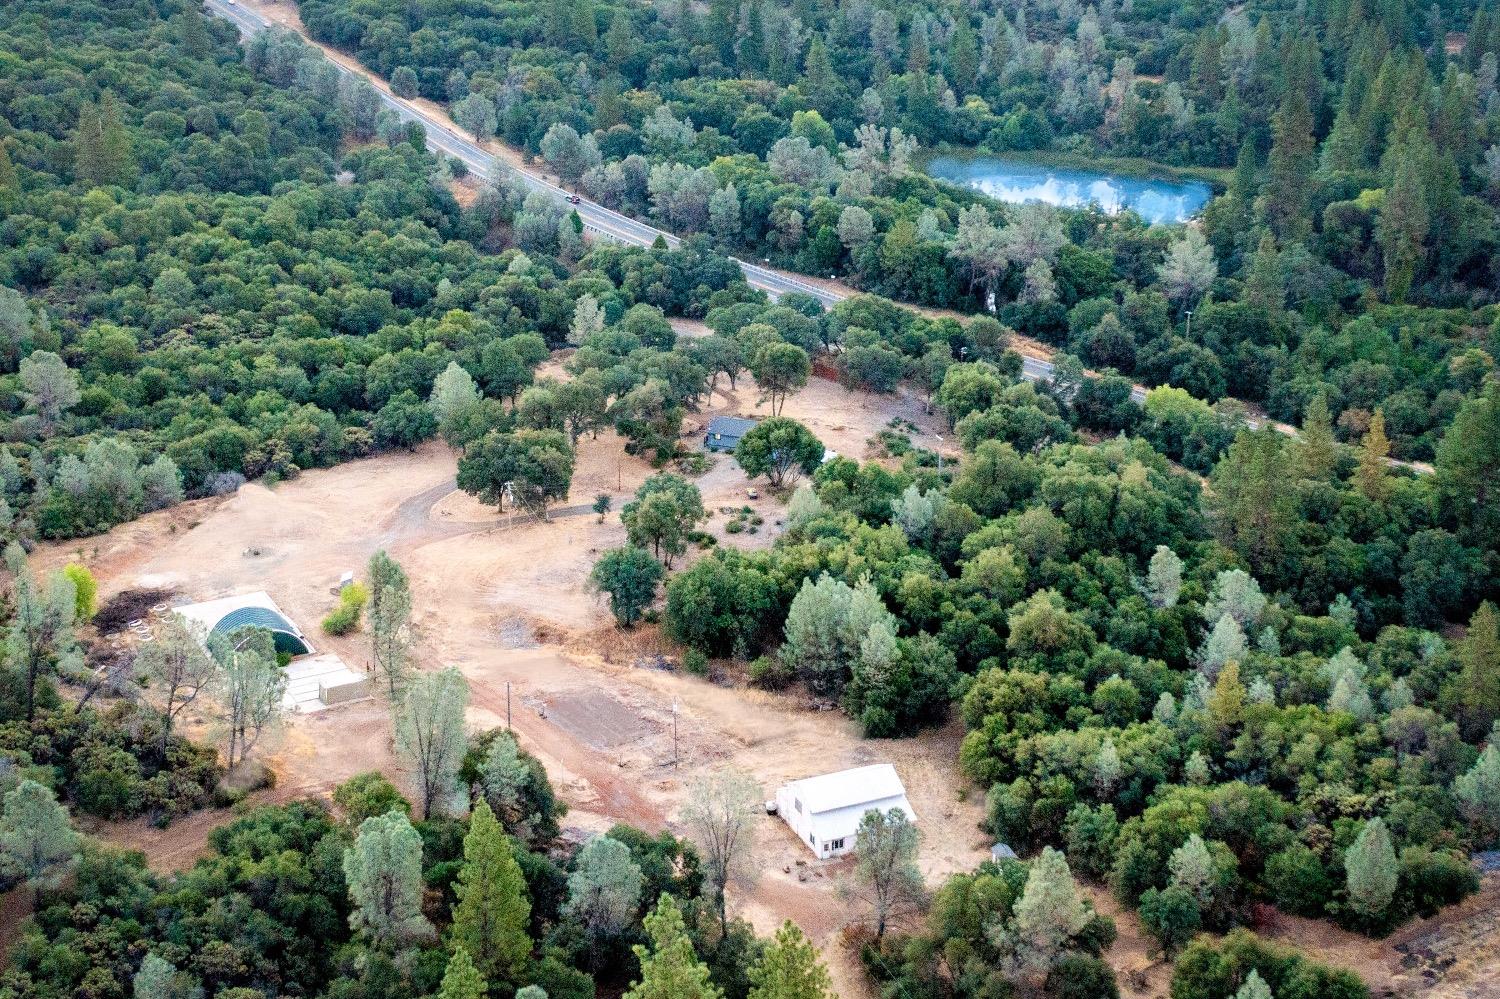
[1208,667]
[1351,256]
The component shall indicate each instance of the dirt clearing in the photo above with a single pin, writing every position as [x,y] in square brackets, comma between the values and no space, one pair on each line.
[504,598]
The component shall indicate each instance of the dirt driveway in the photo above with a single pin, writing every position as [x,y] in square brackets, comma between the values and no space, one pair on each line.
[505,600]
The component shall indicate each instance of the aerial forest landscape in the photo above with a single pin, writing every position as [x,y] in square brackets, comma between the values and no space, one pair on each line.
[749,499]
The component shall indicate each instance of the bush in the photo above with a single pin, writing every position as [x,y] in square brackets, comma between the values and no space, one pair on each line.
[1296,880]
[345,618]
[1080,977]
[368,794]
[85,589]
[771,673]
[1211,969]
[695,662]
[110,764]
[1431,879]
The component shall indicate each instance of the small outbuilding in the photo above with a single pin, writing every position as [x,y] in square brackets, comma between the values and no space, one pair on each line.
[825,811]
[1002,851]
[222,616]
[724,432]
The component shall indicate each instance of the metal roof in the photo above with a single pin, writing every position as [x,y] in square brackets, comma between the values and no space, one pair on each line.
[253,617]
[830,792]
[224,615]
[730,426]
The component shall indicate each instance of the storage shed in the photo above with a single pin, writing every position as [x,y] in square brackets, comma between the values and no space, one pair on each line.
[724,432]
[222,616]
[825,811]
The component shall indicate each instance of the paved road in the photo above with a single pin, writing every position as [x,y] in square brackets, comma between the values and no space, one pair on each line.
[596,217]
[611,224]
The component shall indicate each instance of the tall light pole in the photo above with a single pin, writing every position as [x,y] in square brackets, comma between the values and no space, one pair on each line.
[939,452]
[1189,334]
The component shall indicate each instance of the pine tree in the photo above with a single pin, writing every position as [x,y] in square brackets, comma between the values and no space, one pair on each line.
[619,40]
[825,91]
[1372,477]
[1405,219]
[1290,167]
[1255,987]
[1227,705]
[1107,768]
[10,185]
[192,32]
[669,967]
[585,27]
[384,873]
[159,978]
[101,145]
[1252,510]
[462,980]
[1048,916]
[1317,450]
[430,736]
[1478,790]
[452,391]
[1164,578]
[1192,869]
[1263,285]
[1479,677]
[752,47]
[1468,466]
[390,614]
[492,913]
[36,840]
[604,889]
[1371,871]
[789,968]
[963,58]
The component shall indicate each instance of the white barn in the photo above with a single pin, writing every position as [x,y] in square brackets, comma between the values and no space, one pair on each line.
[825,811]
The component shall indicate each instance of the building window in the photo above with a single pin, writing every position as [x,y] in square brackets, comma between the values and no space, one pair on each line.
[797,804]
[812,839]
[837,844]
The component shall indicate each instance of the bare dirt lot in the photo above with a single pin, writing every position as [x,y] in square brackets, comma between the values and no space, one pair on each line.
[505,600]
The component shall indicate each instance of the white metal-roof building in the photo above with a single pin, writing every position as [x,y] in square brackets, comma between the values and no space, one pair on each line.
[825,811]
[224,615]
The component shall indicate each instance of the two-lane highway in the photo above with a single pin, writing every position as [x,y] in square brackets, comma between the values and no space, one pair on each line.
[596,218]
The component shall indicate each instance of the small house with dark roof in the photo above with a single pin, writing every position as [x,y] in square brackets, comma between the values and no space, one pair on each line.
[724,432]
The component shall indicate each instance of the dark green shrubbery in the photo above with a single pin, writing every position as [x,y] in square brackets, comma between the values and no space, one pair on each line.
[1217,969]
[109,763]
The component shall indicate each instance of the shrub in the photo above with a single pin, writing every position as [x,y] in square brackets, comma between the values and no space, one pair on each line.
[695,662]
[85,589]
[1211,969]
[1081,977]
[368,794]
[770,673]
[345,617]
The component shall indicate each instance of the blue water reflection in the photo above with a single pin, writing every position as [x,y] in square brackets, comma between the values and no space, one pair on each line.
[1016,181]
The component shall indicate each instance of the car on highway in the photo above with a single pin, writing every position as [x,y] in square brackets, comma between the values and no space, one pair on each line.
[574,199]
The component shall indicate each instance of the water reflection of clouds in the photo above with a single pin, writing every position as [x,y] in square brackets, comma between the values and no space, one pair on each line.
[1154,201]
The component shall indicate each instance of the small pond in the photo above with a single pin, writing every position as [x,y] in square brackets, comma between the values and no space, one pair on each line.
[1017,180]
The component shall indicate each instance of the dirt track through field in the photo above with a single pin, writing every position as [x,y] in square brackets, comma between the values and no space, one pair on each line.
[504,599]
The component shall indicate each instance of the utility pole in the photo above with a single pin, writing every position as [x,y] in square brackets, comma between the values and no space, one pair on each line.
[1189,334]
[939,452]
[674,733]
[507,706]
